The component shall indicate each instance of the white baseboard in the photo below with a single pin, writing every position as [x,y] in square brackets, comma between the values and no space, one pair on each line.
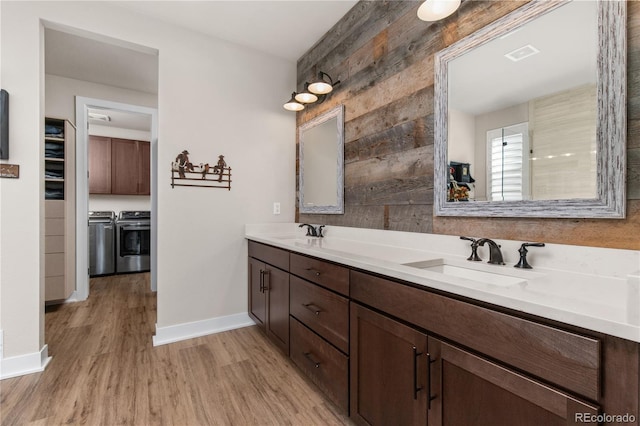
[21,365]
[190,330]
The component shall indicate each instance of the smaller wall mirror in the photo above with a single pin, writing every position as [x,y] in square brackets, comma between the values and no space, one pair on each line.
[530,115]
[322,163]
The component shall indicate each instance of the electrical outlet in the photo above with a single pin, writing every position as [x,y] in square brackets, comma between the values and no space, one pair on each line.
[276,208]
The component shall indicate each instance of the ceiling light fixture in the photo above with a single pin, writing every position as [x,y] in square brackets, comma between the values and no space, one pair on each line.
[434,10]
[293,104]
[316,91]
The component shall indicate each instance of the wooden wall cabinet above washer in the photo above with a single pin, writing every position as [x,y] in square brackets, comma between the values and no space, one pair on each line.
[119,166]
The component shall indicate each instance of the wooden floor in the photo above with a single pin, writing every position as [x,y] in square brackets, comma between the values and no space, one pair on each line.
[105,371]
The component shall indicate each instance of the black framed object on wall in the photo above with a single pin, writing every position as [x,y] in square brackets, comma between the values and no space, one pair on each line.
[4,125]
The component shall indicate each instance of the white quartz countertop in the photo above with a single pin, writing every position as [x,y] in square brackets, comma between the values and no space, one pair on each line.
[593,288]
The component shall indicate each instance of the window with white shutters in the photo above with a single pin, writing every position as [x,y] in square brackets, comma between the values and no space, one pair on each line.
[508,163]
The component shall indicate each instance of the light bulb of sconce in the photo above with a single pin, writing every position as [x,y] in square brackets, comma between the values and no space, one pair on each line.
[320,87]
[306,97]
[292,104]
[434,10]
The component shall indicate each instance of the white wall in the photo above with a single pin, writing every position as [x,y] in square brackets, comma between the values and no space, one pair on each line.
[211,100]
[60,93]
[462,147]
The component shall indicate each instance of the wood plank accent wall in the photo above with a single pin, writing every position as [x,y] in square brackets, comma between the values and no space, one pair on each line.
[383,56]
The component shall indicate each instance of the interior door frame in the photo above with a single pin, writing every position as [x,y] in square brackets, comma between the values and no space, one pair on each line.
[82,188]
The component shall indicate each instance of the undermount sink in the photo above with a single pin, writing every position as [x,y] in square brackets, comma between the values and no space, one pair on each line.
[471,272]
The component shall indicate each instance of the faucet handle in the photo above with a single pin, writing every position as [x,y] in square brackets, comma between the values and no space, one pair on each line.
[320,228]
[474,249]
[522,263]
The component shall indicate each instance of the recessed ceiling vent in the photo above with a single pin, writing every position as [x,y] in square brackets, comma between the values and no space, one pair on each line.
[522,53]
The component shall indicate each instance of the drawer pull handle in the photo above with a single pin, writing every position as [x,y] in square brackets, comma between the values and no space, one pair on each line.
[264,273]
[315,271]
[429,396]
[313,308]
[308,356]
[415,389]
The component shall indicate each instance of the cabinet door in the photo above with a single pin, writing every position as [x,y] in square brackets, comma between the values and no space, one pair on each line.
[388,370]
[257,295]
[276,284]
[144,166]
[124,167]
[99,165]
[469,390]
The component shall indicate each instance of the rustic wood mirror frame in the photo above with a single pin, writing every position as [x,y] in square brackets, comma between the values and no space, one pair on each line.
[611,127]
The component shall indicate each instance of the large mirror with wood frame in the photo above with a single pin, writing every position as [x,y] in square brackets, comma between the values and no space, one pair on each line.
[530,115]
[321,157]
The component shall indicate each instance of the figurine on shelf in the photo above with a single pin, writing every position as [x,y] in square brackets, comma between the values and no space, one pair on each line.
[183,162]
[205,170]
[219,168]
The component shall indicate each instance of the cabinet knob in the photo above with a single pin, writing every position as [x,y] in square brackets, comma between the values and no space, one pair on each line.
[315,271]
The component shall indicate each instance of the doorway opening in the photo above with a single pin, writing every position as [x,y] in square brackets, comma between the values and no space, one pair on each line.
[136,118]
[90,73]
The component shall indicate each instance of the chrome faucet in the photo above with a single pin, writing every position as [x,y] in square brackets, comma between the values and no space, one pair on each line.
[495,255]
[311,230]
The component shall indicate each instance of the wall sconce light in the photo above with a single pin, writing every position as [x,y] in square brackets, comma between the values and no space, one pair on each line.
[293,105]
[321,86]
[434,10]
[313,92]
[306,97]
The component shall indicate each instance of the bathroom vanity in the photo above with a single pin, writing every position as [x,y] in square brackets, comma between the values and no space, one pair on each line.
[398,328]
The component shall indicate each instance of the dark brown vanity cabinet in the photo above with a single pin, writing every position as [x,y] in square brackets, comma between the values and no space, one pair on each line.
[401,376]
[481,366]
[269,292]
[389,377]
[467,389]
[319,309]
[391,352]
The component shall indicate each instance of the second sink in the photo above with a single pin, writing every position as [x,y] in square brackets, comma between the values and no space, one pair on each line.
[445,267]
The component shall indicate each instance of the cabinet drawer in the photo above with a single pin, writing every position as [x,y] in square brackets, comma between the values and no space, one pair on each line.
[53,227]
[326,366]
[54,244]
[324,312]
[318,271]
[566,359]
[54,264]
[54,288]
[271,255]
[53,209]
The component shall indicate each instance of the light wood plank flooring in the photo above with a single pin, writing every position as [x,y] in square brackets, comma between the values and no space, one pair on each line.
[105,371]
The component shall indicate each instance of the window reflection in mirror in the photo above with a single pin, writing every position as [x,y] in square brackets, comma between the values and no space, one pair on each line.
[522,109]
